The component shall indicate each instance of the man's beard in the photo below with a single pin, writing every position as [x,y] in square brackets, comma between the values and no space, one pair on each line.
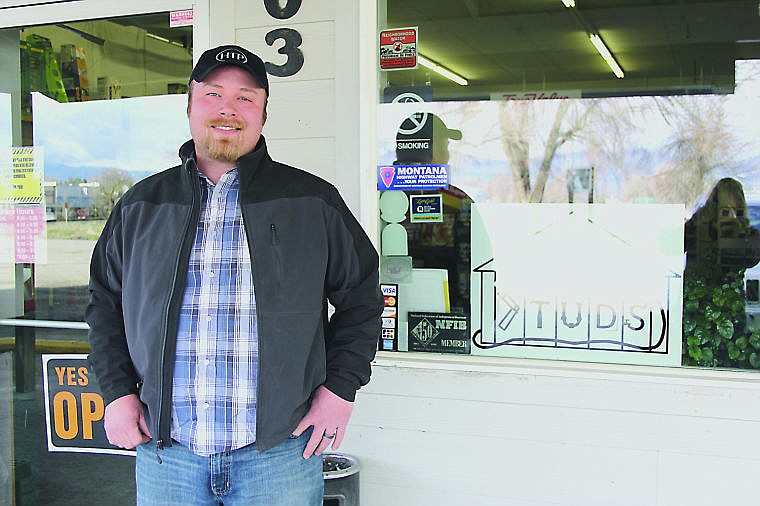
[222,149]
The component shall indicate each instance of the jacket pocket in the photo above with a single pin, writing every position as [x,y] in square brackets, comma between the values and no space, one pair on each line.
[276,252]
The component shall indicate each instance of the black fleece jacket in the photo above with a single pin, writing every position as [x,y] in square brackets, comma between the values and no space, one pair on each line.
[306,249]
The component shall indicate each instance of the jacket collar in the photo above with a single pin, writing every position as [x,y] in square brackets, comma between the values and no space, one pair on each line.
[248,164]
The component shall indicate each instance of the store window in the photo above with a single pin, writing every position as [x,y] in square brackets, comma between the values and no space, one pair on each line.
[70,78]
[571,181]
[89,108]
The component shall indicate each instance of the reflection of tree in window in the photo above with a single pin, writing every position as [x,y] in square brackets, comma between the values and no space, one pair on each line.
[112,185]
[517,126]
[546,142]
[701,144]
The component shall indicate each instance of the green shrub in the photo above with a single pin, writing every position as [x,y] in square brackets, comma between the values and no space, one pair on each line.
[714,324]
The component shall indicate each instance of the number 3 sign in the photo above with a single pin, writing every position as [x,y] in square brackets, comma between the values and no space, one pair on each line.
[292,39]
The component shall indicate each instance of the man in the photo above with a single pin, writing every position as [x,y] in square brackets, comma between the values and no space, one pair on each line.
[208,313]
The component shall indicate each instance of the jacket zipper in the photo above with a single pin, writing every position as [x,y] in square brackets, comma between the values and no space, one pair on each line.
[159,441]
[262,352]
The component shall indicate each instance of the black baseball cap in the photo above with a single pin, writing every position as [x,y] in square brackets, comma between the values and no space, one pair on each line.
[212,59]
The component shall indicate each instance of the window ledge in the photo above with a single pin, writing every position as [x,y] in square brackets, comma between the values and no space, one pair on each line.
[556,368]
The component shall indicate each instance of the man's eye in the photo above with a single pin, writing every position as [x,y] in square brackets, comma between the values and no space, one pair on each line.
[212,94]
[246,99]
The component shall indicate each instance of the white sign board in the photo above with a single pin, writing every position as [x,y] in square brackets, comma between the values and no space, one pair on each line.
[590,282]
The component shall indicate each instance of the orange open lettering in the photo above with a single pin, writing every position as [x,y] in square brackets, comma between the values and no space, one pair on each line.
[92,411]
[65,415]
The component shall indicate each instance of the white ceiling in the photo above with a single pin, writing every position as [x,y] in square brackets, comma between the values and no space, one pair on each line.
[519,45]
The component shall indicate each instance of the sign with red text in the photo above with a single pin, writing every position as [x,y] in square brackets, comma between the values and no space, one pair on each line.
[398,49]
[181,18]
[22,206]
[23,227]
[74,408]
[537,95]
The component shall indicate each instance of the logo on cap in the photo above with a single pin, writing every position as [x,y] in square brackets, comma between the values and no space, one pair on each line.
[231,54]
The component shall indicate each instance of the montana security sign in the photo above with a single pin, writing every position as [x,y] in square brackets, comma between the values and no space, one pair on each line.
[412,177]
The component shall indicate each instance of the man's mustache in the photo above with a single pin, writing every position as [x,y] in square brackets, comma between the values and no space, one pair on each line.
[229,123]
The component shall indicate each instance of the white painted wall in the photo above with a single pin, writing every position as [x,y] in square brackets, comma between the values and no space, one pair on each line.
[452,430]
[320,119]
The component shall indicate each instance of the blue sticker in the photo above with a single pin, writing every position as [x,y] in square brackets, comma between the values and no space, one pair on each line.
[426,208]
[412,177]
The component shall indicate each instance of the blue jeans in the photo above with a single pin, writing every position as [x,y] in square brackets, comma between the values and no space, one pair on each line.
[277,477]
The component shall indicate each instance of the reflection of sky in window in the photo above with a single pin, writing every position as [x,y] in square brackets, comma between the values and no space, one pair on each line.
[6,125]
[743,108]
[6,232]
[480,154]
[754,214]
[6,141]
[140,135]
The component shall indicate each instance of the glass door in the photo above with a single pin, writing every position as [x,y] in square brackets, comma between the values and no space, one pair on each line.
[89,108]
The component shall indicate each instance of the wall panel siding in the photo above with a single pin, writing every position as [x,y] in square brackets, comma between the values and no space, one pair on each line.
[301,124]
[252,13]
[315,102]
[536,432]
[317,155]
[329,97]
[318,48]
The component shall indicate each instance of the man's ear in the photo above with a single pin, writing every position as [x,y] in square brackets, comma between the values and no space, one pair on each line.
[189,97]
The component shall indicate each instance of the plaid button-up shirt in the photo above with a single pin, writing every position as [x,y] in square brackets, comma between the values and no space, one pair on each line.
[215,369]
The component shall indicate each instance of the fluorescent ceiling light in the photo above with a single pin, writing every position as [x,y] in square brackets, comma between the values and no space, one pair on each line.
[598,43]
[441,70]
[162,39]
[569,3]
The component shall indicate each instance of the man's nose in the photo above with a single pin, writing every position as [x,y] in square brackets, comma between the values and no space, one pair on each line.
[227,108]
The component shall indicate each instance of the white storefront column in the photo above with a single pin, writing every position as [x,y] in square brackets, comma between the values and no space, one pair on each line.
[322,85]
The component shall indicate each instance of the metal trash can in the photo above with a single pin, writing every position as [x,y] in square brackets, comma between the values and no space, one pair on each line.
[341,475]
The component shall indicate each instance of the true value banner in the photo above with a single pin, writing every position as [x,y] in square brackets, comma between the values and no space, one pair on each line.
[589,282]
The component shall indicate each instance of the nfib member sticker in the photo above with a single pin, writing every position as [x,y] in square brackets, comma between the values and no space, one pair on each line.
[438,332]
